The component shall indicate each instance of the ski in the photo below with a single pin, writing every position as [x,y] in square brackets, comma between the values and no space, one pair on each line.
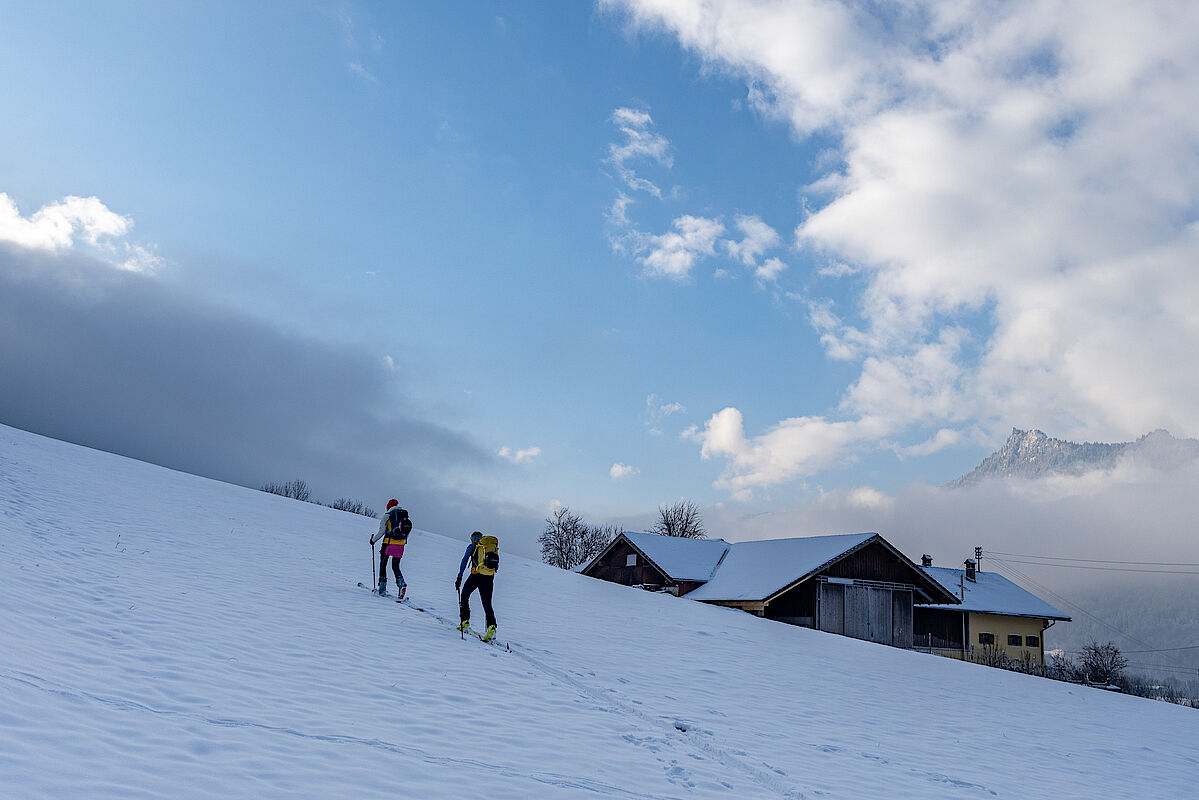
[373,590]
[505,646]
[493,642]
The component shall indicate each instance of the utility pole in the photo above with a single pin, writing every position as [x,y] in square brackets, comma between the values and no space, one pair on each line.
[978,559]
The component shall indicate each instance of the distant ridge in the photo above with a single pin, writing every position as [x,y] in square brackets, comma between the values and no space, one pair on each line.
[1033,454]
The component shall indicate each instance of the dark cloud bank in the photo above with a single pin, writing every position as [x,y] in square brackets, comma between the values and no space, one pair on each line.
[128,364]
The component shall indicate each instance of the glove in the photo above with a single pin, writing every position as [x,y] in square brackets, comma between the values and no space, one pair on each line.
[458,584]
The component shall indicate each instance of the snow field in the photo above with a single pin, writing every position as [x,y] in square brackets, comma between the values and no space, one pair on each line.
[166,635]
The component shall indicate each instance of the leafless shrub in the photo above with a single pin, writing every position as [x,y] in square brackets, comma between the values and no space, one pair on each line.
[296,490]
[1103,663]
[353,506]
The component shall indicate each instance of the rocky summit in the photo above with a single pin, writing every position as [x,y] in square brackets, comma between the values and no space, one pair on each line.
[1033,454]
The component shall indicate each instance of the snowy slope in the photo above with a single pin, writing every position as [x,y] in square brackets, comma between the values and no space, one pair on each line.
[163,635]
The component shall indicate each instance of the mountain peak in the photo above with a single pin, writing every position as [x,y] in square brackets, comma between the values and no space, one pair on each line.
[1033,454]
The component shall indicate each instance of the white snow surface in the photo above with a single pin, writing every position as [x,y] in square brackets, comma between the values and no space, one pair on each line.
[682,559]
[168,636]
[991,592]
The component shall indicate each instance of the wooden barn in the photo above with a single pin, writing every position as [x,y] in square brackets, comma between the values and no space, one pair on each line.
[993,616]
[658,562]
[854,584]
[857,585]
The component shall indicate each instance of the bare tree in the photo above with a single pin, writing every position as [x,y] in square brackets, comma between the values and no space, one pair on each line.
[681,519]
[296,490]
[595,539]
[567,541]
[560,539]
[1103,663]
[353,506]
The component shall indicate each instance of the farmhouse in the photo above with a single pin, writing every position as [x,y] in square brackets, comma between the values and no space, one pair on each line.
[856,584]
[993,617]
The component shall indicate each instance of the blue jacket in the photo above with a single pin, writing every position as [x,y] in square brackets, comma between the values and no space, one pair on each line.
[470,551]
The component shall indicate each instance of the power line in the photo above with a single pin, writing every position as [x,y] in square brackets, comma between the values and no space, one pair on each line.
[1166,649]
[1165,667]
[1054,594]
[1104,569]
[1099,560]
[1023,576]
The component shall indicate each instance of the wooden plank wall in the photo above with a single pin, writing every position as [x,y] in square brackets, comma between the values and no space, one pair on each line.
[872,563]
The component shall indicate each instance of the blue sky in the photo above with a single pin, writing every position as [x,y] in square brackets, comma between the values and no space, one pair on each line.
[612,256]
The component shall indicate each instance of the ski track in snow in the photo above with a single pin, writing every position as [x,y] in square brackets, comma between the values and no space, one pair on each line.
[163,635]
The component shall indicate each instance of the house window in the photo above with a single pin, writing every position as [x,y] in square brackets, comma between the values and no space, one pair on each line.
[986,638]
[630,560]
[1032,641]
[1013,640]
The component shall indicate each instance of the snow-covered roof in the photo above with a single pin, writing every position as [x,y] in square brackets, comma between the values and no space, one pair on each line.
[680,559]
[991,593]
[756,570]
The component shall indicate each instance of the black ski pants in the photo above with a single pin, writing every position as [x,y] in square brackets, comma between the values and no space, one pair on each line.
[395,567]
[484,583]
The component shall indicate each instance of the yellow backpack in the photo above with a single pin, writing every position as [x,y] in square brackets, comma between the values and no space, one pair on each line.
[487,556]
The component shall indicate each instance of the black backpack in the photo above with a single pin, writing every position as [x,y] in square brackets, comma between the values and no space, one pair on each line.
[399,519]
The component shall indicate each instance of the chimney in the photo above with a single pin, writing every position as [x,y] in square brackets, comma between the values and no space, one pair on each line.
[926,560]
[970,569]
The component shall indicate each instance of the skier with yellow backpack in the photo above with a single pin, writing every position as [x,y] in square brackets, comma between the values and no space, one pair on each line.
[483,555]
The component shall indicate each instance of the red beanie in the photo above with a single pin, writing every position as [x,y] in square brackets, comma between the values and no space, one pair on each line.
[392,503]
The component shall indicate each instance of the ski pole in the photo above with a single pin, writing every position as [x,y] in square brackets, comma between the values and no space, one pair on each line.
[374,577]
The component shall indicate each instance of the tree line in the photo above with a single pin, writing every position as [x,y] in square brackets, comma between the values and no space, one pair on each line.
[298,490]
[567,541]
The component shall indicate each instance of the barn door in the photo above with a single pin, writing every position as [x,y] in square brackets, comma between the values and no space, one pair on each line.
[857,611]
[832,608]
[880,615]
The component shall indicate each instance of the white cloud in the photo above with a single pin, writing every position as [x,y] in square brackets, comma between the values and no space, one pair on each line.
[518,456]
[758,238]
[866,497]
[793,448]
[141,258]
[1015,195]
[356,68]
[673,254]
[58,226]
[354,46]
[942,439]
[770,270]
[77,223]
[622,471]
[657,411]
[640,143]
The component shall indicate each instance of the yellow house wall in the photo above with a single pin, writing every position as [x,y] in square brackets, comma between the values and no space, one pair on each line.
[1001,626]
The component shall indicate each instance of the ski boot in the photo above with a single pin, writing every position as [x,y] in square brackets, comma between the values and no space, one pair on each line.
[490,634]
[463,625]
[403,590]
[382,588]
